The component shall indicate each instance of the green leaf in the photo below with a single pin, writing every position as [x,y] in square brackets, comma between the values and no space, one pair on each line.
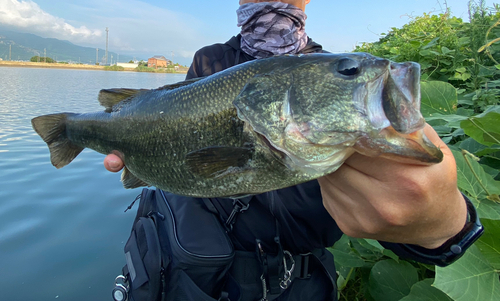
[370,242]
[484,128]
[474,182]
[469,278]
[424,291]
[438,97]
[489,242]
[452,119]
[391,281]
[446,50]
[349,260]
[492,149]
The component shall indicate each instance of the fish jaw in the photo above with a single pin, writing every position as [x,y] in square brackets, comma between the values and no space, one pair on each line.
[412,148]
[401,97]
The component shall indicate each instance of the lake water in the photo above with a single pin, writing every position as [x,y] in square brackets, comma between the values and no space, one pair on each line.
[62,232]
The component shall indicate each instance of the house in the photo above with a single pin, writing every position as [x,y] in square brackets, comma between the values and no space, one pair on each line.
[158,61]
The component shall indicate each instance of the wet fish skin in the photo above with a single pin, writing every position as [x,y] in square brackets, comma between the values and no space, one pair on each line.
[256,127]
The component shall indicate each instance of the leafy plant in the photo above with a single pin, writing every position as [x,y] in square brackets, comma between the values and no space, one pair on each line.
[42,59]
[114,68]
[461,99]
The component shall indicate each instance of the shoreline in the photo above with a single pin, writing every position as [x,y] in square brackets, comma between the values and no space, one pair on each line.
[67,66]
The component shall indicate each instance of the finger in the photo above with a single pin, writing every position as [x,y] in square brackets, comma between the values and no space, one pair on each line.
[113,163]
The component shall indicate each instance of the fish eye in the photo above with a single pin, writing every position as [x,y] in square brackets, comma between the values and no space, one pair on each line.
[347,67]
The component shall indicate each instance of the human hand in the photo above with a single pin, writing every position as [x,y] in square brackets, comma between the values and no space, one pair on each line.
[391,201]
[113,163]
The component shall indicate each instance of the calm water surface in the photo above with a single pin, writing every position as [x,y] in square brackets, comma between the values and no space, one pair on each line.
[62,232]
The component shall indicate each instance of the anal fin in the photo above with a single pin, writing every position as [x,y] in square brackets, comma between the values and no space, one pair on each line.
[130,181]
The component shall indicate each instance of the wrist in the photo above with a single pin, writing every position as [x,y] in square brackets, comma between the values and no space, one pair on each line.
[453,248]
[451,227]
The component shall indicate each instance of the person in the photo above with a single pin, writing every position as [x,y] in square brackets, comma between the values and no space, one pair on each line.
[396,203]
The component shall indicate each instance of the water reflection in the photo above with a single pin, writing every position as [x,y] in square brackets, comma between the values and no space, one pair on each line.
[61,231]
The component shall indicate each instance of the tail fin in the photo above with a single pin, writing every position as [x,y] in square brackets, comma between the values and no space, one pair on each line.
[52,129]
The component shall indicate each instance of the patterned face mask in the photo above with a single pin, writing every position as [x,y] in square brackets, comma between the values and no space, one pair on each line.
[271,28]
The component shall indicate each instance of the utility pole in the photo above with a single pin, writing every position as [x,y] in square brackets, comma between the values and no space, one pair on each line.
[96,55]
[44,55]
[106,56]
[10,52]
[172,58]
[118,59]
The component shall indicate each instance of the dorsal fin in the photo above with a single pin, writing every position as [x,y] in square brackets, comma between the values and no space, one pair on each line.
[110,97]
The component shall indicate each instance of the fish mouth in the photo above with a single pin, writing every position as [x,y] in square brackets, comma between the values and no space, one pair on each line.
[411,148]
[401,97]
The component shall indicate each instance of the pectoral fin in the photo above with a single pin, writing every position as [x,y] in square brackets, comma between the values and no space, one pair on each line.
[218,161]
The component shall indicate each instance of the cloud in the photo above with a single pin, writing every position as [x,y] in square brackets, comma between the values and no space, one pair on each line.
[29,16]
[136,28]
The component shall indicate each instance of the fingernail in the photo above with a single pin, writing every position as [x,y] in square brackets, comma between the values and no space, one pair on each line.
[114,164]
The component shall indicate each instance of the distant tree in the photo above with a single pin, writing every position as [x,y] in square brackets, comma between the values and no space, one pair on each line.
[42,59]
[131,62]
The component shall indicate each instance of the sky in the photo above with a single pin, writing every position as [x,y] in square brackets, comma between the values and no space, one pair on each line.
[176,29]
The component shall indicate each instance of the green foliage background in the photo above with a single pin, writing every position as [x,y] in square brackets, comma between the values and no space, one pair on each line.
[461,99]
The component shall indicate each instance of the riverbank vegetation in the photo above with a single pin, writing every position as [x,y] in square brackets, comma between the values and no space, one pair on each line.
[460,67]
[114,68]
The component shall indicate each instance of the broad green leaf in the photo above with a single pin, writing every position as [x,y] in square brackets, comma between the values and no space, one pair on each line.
[488,209]
[343,244]
[365,250]
[472,145]
[489,242]
[484,128]
[390,254]
[438,98]
[446,50]
[452,119]
[467,182]
[347,259]
[424,291]
[471,278]
[492,160]
[391,281]
[371,242]
[490,170]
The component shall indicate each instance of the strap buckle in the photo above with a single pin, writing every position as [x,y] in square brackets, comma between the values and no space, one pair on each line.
[238,206]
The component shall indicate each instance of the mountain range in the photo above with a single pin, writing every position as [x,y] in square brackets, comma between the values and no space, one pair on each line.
[23,46]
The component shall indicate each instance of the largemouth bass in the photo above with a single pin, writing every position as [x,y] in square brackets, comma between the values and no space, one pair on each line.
[256,127]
